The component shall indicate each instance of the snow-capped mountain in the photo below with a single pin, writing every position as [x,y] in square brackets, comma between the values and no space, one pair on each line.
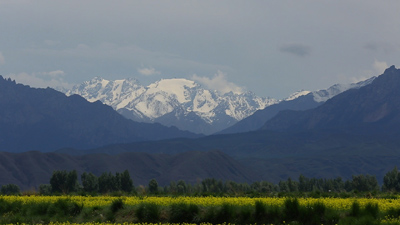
[325,94]
[173,102]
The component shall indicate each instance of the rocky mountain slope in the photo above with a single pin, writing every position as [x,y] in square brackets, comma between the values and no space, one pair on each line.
[173,102]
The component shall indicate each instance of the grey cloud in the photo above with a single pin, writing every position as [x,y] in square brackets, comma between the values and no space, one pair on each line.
[380,46]
[180,38]
[296,49]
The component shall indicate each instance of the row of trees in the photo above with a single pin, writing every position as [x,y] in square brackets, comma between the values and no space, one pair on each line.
[361,183]
[66,182]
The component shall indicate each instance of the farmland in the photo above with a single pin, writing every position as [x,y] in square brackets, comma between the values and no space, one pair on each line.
[216,210]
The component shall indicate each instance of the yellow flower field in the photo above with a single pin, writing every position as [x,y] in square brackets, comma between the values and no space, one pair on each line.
[88,201]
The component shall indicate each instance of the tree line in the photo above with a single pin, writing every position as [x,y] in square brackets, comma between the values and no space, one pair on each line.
[66,182]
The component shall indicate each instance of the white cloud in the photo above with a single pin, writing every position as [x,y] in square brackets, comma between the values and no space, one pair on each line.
[42,79]
[219,83]
[148,71]
[379,67]
[55,73]
[2,60]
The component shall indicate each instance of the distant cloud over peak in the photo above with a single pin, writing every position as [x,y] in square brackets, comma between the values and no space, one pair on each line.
[296,49]
[148,71]
[54,73]
[379,66]
[219,83]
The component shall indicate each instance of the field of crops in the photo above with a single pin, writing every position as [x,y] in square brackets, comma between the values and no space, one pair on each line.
[170,210]
[89,201]
[100,201]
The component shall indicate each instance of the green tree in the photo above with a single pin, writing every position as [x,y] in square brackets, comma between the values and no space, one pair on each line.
[153,186]
[106,182]
[90,182]
[172,187]
[116,182]
[58,180]
[181,187]
[10,189]
[212,185]
[391,180]
[72,181]
[364,183]
[304,184]
[292,185]
[63,181]
[126,182]
[45,189]
[283,186]
[338,184]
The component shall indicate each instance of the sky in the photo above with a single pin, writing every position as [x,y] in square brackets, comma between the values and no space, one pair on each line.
[272,48]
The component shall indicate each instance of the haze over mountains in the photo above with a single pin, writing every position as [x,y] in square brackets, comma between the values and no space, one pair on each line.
[352,132]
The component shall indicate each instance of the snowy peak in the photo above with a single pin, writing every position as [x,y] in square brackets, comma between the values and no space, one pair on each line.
[181,88]
[173,102]
[297,94]
[108,92]
[325,94]
[242,105]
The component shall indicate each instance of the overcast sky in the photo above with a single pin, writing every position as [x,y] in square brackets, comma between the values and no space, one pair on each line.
[272,48]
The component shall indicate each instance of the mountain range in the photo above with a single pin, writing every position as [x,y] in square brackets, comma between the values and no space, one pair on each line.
[298,101]
[353,132]
[188,106]
[345,133]
[173,102]
[373,108]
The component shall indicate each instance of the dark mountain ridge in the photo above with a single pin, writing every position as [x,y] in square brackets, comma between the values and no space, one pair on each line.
[45,120]
[374,108]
